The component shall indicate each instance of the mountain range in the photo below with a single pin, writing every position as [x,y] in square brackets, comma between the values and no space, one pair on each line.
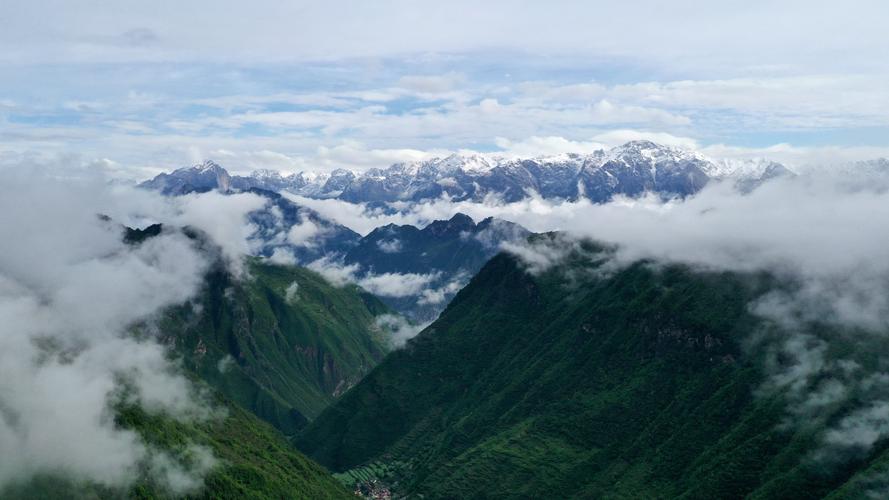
[443,255]
[632,169]
[578,379]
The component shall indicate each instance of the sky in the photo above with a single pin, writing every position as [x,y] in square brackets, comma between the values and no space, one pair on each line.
[139,87]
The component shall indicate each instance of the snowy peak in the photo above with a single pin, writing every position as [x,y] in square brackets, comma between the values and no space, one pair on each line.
[652,154]
[209,166]
[473,163]
[202,177]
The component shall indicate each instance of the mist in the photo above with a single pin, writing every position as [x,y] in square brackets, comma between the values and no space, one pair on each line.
[71,293]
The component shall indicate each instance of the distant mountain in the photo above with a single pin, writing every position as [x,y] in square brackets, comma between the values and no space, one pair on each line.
[200,178]
[748,175]
[449,251]
[632,169]
[287,231]
[576,383]
[284,230]
[444,254]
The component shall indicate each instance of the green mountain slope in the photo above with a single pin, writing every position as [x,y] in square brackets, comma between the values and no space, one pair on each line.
[577,383]
[285,355]
[253,461]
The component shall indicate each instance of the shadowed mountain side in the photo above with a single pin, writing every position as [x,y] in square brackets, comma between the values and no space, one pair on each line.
[282,343]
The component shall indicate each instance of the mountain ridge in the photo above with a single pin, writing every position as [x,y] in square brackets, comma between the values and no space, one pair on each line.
[632,169]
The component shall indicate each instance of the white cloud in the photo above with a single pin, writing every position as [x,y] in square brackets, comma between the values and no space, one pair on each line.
[539,257]
[69,291]
[305,233]
[793,34]
[389,246]
[290,293]
[399,329]
[334,272]
[437,296]
[223,218]
[283,256]
[397,284]
[225,363]
[798,101]
[544,146]
[617,137]
[394,285]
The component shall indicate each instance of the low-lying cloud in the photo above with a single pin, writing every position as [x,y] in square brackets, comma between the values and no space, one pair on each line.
[394,285]
[71,292]
[399,329]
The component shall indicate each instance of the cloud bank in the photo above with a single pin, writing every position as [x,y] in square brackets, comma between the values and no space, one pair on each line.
[70,289]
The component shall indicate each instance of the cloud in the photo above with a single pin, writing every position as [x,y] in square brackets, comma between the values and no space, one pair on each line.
[286,32]
[334,272]
[794,101]
[400,330]
[535,146]
[394,285]
[70,291]
[139,37]
[621,136]
[542,255]
[397,284]
[283,256]
[431,83]
[225,363]
[437,296]
[290,293]
[305,233]
[389,246]
[223,218]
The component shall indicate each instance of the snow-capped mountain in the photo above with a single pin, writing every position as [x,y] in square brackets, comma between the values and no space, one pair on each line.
[199,178]
[632,169]
[747,175]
